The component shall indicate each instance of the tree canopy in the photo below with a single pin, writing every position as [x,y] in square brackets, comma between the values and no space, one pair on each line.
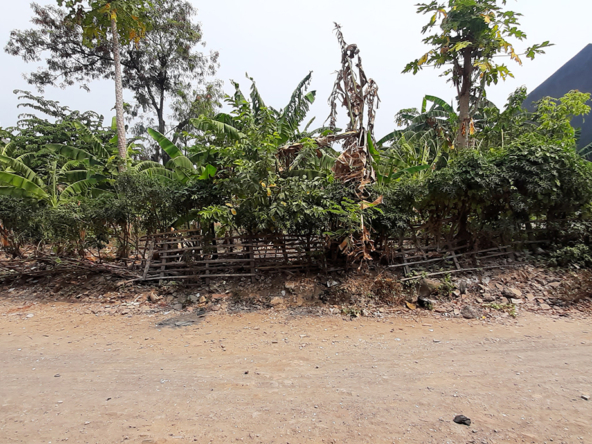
[163,68]
[466,38]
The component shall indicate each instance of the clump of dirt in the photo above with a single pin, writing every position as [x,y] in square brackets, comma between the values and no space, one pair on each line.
[577,289]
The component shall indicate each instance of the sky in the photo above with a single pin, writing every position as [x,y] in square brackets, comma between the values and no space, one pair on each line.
[277,42]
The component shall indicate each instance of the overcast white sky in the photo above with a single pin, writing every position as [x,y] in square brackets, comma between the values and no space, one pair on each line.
[278,41]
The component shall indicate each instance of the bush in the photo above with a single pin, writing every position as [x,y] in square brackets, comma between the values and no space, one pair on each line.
[18,224]
[547,180]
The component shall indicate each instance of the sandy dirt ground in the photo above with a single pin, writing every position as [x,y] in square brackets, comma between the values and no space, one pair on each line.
[272,377]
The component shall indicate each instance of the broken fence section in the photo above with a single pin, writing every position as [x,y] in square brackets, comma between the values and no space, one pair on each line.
[188,255]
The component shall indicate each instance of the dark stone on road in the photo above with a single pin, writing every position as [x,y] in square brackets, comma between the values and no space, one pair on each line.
[462,420]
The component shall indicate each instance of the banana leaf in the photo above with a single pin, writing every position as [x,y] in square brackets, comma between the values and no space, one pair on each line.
[169,147]
[18,182]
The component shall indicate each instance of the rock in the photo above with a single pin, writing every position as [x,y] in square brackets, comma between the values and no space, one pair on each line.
[462,420]
[276,302]
[545,307]
[203,300]
[426,303]
[428,287]
[470,312]
[332,284]
[215,308]
[488,297]
[517,301]
[182,299]
[512,293]
[586,397]
[194,298]
[219,296]
[530,297]
[555,285]
[539,250]
[178,307]
[290,285]
[153,297]
[462,287]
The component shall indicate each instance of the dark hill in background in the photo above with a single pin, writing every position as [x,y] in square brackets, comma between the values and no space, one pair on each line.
[575,74]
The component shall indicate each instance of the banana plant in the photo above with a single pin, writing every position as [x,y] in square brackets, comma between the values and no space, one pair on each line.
[391,165]
[18,180]
[81,174]
[254,116]
[434,125]
[179,167]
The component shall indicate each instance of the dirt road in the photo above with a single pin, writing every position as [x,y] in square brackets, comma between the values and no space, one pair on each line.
[275,378]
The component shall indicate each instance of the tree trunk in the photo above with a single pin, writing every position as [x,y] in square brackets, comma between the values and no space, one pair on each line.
[462,140]
[121,142]
[464,101]
[162,128]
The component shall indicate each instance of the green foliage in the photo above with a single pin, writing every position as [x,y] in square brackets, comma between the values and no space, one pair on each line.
[471,35]
[579,255]
[259,170]
[131,18]
[18,223]
[554,117]
[478,29]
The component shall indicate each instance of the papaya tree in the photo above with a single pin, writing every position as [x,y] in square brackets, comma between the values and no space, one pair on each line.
[125,21]
[467,37]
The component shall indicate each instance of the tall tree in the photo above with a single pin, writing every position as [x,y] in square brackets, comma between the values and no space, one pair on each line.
[122,20]
[165,66]
[467,37]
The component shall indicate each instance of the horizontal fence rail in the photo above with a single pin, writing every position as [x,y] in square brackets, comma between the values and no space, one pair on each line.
[188,255]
